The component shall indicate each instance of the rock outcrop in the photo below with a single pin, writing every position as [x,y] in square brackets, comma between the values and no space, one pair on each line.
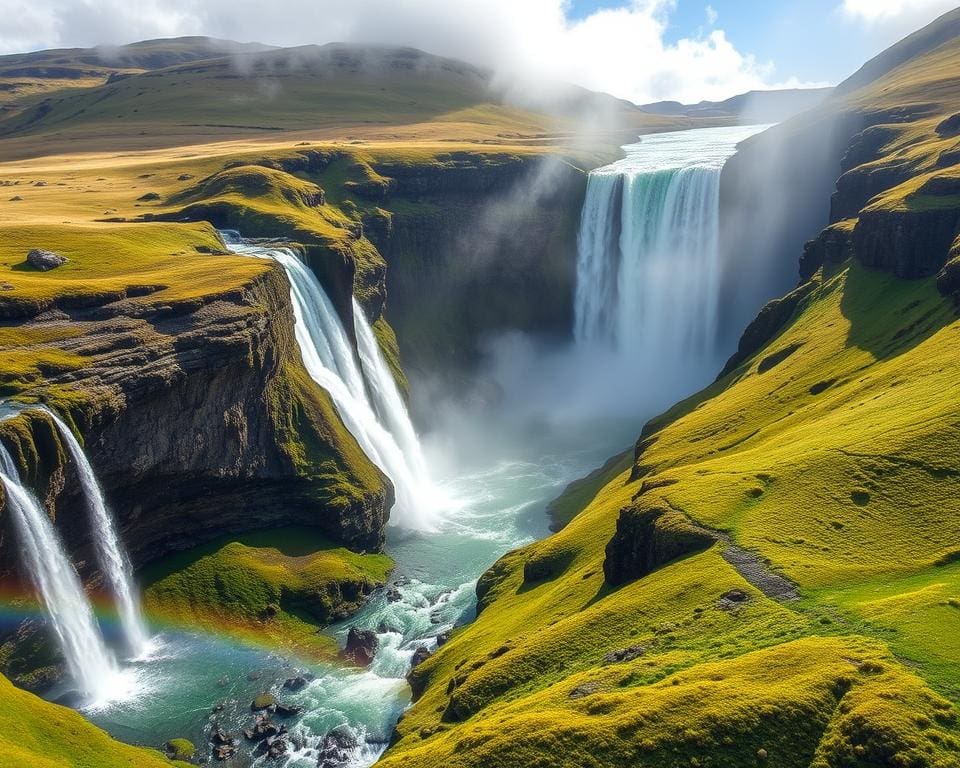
[45,260]
[200,422]
[648,537]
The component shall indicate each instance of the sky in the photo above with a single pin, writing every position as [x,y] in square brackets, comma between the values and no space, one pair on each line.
[641,50]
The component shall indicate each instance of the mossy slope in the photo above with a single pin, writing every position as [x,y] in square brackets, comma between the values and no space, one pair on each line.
[275,587]
[39,734]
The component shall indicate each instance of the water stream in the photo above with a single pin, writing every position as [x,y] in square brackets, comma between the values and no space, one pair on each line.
[113,560]
[90,663]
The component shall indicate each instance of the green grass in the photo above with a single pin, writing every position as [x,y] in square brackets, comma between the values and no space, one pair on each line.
[105,262]
[274,586]
[39,734]
[833,454]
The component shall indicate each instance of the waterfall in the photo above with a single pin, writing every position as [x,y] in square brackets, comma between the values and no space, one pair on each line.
[363,391]
[648,271]
[113,559]
[92,667]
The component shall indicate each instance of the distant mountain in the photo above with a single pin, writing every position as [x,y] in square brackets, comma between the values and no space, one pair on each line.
[751,107]
[164,92]
[75,63]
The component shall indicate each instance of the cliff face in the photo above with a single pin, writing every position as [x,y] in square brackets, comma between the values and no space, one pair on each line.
[199,422]
[475,247]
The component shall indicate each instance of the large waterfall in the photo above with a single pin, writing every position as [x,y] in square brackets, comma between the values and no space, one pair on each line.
[363,390]
[113,559]
[90,664]
[648,273]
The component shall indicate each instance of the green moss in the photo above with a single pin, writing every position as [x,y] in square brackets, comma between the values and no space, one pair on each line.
[759,456]
[39,734]
[275,586]
[181,749]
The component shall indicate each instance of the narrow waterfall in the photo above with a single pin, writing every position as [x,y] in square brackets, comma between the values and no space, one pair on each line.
[648,272]
[364,392]
[92,667]
[113,559]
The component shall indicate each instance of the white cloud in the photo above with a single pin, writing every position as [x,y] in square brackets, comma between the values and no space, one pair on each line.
[886,21]
[620,50]
[712,15]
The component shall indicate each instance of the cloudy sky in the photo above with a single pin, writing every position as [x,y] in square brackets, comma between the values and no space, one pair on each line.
[643,50]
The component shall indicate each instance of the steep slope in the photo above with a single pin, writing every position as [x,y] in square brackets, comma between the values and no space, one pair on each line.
[36,733]
[877,130]
[775,578]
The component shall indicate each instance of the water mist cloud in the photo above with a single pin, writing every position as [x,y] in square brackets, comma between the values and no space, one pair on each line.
[621,50]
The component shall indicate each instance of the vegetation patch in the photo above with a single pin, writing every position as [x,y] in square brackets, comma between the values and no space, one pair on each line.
[277,586]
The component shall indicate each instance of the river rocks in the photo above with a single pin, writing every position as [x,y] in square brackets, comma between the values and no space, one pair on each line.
[361,646]
[220,736]
[336,747]
[5,286]
[288,710]
[263,728]
[420,655]
[224,745]
[149,197]
[297,683]
[647,538]
[45,260]
[263,701]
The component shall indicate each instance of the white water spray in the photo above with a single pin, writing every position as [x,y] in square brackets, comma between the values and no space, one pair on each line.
[364,392]
[113,559]
[648,272]
[92,667]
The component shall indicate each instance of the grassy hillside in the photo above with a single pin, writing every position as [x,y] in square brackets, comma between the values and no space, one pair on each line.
[272,587]
[776,578]
[342,91]
[42,735]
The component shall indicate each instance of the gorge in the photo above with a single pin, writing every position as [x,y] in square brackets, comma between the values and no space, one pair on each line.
[421,426]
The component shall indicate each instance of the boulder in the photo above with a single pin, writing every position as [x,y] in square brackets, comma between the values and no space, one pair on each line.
[361,646]
[45,260]
[263,701]
[180,749]
[648,538]
[335,749]
[224,751]
[221,737]
[419,656]
[296,683]
[625,654]
[288,710]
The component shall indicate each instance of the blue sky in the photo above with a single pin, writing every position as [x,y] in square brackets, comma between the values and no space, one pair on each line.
[642,50]
[812,40]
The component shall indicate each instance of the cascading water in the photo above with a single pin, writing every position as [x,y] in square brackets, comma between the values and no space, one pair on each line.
[364,392]
[90,664]
[113,559]
[648,272]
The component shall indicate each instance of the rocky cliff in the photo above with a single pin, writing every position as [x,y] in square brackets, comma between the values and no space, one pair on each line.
[200,422]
